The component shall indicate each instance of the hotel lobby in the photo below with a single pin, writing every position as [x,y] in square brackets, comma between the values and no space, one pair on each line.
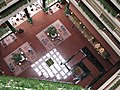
[52,40]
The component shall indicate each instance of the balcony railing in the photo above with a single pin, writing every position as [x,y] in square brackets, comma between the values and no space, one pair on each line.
[91,15]
[12,8]
[108,8]
[2,3]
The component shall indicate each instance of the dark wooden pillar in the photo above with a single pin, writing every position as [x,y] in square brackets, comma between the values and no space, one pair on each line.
[44,5]
[26,12]
[10,26]
[28,16]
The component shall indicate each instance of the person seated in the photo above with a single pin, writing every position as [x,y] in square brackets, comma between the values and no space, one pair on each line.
[30,51]
[50,10]
[3,43]
[13,37]
[58,5]
[20,31]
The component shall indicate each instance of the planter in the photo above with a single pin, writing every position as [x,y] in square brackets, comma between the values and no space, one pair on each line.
[52,31]
[30,20]
[16,57]
[45,9]
[67,10]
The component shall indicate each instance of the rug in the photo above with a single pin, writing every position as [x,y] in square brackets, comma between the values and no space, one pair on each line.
[29,58]
[8,40]
[47,42]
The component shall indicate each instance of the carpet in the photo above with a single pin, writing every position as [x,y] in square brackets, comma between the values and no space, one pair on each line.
[47,42]
[8,40]
[29,57]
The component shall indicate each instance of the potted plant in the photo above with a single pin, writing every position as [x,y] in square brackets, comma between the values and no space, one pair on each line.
[45,9]
[52,31]
[16,57]
[30,20]
[67,10]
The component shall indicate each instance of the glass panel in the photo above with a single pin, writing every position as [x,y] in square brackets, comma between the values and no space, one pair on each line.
[33,65]
[39,73]
[36,62]
[62,73]
[54,56]
[44,64]
[57,66]
[40,67]
[36,69]
[51,52]
[65,70]
[43,71]
[65,77]
[48,55]
[54,50]
[57,53]
[55,69]
[40,60]
[69,73]
[58,76]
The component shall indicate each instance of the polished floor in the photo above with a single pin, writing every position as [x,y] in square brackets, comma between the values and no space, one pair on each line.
[67,48]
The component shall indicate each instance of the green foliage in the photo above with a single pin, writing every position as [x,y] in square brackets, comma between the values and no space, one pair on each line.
[118,1]
[67,10]
[13,30]
[115,85]
[91,15]
[107,22]
[16,57]
[15,83]
[3,31]
[45,9]
[30,20]
[108,7]
[52,30]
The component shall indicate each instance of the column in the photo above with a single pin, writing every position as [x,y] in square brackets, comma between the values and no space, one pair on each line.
[26,12]
[45,9]
[10,26]
[44,5]
[28,16]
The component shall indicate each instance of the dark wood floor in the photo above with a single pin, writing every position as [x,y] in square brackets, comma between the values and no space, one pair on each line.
[67,48]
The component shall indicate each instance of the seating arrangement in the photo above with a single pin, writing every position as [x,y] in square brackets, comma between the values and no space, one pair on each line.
[11,67]
[21,58]
[8,40]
